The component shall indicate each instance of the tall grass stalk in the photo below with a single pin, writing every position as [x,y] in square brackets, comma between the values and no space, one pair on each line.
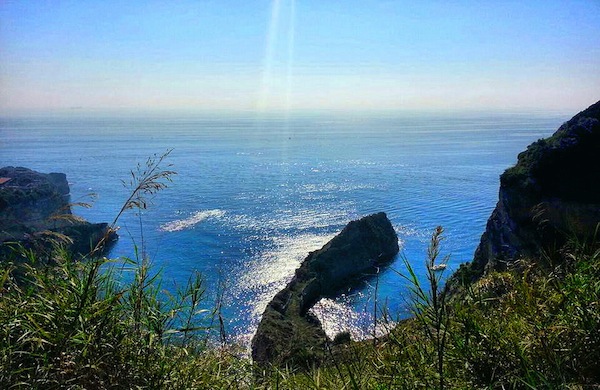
[430,303]
[145,182]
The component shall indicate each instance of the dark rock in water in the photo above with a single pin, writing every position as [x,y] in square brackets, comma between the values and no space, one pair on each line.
[32,203]
[288,333]
[552,193]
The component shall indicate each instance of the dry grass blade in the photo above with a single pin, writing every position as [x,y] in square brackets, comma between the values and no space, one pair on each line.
[59,238]
[70,218]
[145,181]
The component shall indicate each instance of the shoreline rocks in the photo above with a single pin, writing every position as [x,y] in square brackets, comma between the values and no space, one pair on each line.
[288,333]
[34,207]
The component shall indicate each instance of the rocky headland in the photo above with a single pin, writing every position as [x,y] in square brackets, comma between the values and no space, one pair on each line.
[551,195]
[288,333]
[35,212]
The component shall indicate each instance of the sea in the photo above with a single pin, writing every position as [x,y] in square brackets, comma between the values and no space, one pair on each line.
[255,193]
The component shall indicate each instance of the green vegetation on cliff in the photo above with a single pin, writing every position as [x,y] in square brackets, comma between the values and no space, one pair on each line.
[535,325]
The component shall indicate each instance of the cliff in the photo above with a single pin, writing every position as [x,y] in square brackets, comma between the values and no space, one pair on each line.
[549,196]
[35,206]
[288,333]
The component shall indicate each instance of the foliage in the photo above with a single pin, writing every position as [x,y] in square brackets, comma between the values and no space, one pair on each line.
[69,326]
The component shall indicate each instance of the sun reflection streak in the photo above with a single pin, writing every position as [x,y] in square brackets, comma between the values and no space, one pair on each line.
[271,42]
[276,88]
[290,57]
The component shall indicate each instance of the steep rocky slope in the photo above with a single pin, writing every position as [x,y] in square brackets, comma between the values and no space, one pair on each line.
[32,203]
[550,195]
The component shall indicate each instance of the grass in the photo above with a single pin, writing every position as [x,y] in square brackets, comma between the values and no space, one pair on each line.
[68,325]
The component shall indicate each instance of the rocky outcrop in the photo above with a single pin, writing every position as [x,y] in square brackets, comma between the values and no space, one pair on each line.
[34,209]
[288,333]
[551,194]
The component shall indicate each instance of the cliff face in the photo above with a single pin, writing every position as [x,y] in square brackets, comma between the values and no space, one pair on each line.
[552,193]
[287,333]
[28,198]
[33,202]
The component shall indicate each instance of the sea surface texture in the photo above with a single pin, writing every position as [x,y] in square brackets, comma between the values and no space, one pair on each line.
[254,194]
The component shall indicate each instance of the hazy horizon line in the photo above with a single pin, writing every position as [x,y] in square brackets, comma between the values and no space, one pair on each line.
[168,111]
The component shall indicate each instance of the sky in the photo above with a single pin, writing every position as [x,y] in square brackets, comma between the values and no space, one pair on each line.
[288,55]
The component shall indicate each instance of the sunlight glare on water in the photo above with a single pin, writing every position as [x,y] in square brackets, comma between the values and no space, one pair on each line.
[270,271]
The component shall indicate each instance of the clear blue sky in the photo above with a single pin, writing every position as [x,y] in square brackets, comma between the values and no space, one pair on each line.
[299,55]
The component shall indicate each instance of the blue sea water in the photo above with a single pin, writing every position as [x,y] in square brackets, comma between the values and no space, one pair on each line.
[254,194]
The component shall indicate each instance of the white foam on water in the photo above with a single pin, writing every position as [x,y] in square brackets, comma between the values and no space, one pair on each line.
[194,219]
